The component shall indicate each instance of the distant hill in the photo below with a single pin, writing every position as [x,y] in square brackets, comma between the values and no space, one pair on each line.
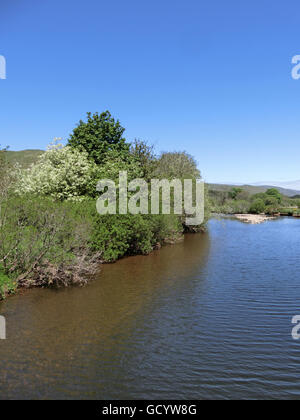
[25,157]
[254,189]
[291,185]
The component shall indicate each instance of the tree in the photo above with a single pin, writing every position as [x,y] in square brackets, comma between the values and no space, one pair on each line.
[273,192]
[98,136]
[176,165]
[62,173]
[258,206]
[235,192]
[272,201]
[272,205]
[114,163]
[144,155]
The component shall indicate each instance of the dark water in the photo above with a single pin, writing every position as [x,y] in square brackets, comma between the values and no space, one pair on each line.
[207,318]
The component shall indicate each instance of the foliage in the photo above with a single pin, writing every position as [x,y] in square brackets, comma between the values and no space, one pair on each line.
[62,173]
[239,200]
[119,235]
[38,230]
[98,136]
[7,285]
[144,154]
[258,206]
[176,165]
[273,192]
[235,192]
[50,231]
[114,163]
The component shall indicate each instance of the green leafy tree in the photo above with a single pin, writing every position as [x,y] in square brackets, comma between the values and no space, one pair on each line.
[235,192]
[273,192]
[144,155]
[258,206]
[99,135]
[272,205]
[114,163]
[176,165]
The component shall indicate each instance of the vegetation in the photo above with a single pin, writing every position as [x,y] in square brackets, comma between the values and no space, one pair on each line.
[7,285]
[176,165]
[240,200]
[98,136]
[50,231]
[61,172]
[24,158]
[252,189]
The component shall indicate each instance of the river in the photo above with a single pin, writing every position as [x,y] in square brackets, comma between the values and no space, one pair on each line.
[207,318]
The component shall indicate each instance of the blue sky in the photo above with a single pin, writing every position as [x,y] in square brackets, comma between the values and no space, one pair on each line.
[209,77]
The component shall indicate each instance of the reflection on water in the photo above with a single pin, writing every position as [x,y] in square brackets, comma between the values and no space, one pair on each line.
[207,318]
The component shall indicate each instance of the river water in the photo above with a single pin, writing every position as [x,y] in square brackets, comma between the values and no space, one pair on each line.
[207,318]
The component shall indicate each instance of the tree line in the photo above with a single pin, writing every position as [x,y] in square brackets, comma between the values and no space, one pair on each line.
[238,200]
[50,231]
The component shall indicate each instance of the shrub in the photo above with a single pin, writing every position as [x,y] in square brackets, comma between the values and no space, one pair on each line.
[258,206]
[36,232]
[7,285]
[118,235]
[61,173]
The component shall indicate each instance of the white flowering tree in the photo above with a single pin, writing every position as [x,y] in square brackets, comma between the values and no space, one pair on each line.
[61,172]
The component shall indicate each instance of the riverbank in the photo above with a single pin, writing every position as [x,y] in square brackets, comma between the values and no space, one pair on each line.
[254,219]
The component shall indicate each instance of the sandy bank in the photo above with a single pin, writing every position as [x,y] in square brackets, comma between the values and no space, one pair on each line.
[254,219]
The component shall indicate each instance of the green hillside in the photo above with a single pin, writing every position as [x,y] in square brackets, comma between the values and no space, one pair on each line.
[25,157]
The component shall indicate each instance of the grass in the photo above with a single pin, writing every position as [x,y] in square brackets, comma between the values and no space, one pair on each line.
[290,211]
[25,157]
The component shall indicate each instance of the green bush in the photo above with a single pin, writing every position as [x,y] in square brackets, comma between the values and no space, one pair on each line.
[118,235]
[36,231]
[7,285]
[258,206]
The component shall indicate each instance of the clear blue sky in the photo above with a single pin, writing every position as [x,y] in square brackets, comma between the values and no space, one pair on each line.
[209,77]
